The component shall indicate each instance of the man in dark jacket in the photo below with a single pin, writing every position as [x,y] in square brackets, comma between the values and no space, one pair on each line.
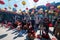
[45,24]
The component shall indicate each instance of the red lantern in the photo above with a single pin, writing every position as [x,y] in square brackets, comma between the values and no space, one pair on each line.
[1,2]
[35,0]
[48,4]
[26,8]
[15,5]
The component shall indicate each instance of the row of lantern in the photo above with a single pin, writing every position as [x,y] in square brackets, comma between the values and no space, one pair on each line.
[14,9]
[24,3]
[15,5]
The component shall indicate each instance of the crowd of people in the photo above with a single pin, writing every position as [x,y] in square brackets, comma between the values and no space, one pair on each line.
[30,22]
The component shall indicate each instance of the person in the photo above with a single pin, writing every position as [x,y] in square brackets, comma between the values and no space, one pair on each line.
[19,26]
[54,25]
[40,16]
[31,35]
[50,15]
[57,30]
[51,28]
[27,17]
[36,27]
[45,13]
[45,24]
[32,17]
[14,24]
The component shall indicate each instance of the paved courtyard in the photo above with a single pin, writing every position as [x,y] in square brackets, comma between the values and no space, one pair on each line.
[6,34]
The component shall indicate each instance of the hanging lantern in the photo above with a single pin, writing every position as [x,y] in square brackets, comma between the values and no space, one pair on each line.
[23,3]
[26,8]
[35,0]
[58,7]
[2,2]
[15,5]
